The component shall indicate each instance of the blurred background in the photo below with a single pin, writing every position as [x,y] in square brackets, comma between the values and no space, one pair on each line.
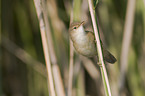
[22,63]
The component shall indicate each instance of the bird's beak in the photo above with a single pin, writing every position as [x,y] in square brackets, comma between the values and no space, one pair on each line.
[82,23]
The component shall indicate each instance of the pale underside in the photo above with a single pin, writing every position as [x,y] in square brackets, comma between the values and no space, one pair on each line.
[83,43]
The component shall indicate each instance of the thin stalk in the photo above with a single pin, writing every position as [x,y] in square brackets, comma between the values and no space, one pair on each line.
[127,36]
[58,81]
[70,77]
[100,55]
[75,16]
[0,56]
[81,83]
[57,75]
[45,45]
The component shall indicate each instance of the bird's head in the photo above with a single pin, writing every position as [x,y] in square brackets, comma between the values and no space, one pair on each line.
[76,26]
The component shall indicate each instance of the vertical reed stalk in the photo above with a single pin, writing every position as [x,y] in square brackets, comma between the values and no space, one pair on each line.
[56,72]
[70,77]
[100,55]
[127,36]
[75,16]
[0,54]
[45,45]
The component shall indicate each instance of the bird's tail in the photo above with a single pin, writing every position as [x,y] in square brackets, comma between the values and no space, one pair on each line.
[108,56]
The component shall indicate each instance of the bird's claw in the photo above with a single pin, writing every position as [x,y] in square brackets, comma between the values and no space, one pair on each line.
[99,64]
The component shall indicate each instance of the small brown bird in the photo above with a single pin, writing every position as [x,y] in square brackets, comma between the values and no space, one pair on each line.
[84,42]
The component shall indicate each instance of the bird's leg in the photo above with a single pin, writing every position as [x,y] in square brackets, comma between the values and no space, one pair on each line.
[99,63]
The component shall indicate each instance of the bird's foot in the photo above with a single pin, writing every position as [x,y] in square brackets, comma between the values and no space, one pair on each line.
[99,64]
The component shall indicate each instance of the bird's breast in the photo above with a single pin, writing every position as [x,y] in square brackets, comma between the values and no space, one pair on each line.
[83,44]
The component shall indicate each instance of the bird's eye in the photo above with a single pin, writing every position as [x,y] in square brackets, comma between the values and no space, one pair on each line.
[75,27]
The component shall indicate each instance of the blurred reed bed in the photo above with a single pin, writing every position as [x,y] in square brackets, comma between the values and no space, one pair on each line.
[22,63]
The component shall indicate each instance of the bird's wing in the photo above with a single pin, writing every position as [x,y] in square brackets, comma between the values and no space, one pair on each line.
[107,55]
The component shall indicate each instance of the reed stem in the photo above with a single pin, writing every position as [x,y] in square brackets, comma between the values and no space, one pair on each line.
[100,55]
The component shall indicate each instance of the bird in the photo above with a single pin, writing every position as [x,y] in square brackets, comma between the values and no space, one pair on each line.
[85,44]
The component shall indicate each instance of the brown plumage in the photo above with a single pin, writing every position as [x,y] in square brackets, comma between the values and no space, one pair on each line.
[84,42]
